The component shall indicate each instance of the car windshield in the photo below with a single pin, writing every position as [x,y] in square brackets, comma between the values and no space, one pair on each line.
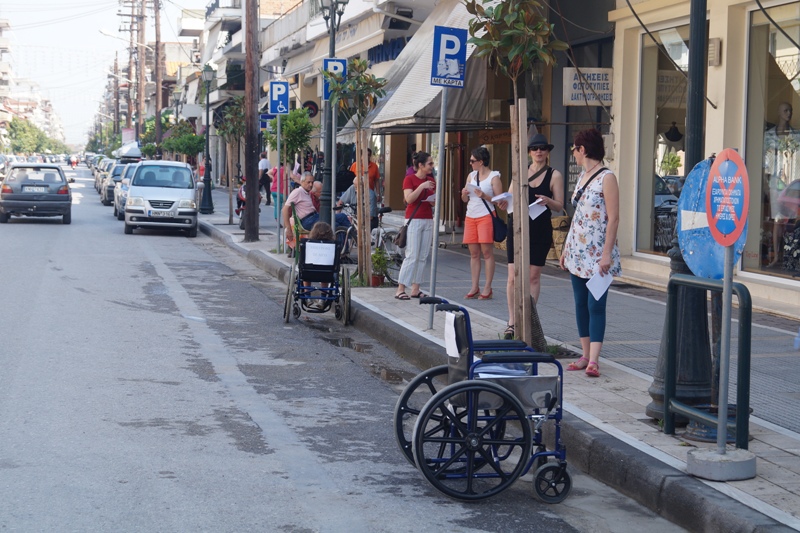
[116,173]
[661,186]
[157,176]
[43,175]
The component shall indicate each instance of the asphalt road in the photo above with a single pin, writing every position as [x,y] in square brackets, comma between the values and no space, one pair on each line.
[148,383]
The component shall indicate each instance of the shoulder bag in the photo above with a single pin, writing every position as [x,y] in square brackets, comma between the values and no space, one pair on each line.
[499,228]
[402,235]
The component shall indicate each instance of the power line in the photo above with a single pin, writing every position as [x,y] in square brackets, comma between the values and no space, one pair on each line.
[60,20]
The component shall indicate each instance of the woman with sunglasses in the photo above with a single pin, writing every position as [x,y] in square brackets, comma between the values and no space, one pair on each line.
[478,226]
[418,189]
[545,184]
[591,244]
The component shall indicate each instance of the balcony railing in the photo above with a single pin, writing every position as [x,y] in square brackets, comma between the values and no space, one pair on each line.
[217,4]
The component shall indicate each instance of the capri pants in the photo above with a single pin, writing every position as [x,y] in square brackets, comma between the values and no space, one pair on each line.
[589,313]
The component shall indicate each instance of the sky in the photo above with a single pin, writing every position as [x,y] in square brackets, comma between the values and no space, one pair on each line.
[58,44]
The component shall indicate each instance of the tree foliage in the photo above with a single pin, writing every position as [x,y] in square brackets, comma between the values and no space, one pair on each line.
[183,140]
[232,127]
[358,93]
[296,130]
[27,138]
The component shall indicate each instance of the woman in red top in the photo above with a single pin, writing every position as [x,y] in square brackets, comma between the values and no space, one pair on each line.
[419,188]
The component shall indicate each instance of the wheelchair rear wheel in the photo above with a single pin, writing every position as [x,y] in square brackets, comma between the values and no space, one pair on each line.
[471,453]
[414,397]
[287,303]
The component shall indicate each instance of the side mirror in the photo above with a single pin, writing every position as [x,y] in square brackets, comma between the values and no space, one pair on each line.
[126,182]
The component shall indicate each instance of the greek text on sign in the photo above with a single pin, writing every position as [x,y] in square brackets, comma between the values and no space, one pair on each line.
[448,67]
[727,197]
[592,86]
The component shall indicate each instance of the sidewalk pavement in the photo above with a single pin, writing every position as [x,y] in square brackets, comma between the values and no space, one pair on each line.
[605,429]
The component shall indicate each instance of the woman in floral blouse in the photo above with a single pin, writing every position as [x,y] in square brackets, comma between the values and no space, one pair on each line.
[591,244]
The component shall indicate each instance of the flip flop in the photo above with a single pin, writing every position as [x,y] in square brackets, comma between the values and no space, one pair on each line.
[401,296]
[593,370]
[419,295]
[577,364]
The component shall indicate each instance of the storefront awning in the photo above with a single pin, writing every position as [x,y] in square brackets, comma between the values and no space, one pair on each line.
[299,64]
[350,41]
[411,103]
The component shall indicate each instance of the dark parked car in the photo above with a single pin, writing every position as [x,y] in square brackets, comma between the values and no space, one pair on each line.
[111,179]
[35,190]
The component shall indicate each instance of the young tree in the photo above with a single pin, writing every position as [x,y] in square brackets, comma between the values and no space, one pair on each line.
[232,130]
[356,95]
[296,130]
[513,35]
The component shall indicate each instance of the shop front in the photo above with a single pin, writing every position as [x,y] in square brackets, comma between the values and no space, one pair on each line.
[752,89]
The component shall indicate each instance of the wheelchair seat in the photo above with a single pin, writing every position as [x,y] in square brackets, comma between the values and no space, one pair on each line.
[319,261]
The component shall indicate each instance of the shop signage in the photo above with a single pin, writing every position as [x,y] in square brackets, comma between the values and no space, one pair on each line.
[387,51]
[333,65]
[449,64]
[279,98]
[494,137]
[727,197]
[671,90]
[263,121]
[592,86]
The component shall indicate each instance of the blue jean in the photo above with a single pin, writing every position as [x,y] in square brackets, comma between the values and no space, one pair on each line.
[341,221]
[590,314]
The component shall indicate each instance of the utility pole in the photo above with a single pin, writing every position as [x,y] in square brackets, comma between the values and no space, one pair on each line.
[157,13]
[116,94]
[251,79]
[129,114]
[141,56]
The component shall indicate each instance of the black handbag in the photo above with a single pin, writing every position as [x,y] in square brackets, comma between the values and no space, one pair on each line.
[499,228]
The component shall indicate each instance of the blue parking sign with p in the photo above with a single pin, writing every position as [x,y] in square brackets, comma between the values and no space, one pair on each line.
[333,65]
[448,67]
[279,98]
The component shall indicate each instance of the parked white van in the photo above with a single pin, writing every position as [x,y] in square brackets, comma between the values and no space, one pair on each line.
[162,194]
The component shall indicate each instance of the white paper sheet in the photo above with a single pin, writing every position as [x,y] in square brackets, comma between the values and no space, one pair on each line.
[431,198]
[505,197]
[536,209]
[450,345]
[473,189]
[320,253]
[599,284]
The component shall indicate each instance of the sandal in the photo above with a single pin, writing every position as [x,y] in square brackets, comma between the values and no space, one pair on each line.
[419,295]
[593,370]
[472,295]
[508,334]
[577,364]
[401,296]
[486,297]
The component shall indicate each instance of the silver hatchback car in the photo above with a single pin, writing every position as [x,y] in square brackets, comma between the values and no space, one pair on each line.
[162,194]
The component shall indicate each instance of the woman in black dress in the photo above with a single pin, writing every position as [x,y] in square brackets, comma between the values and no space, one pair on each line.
[548,184]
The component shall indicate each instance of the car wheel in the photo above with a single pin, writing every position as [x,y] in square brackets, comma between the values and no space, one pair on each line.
[4,218]
[67,218]
[116,212]
[120,215]
[192,232]
[128,229]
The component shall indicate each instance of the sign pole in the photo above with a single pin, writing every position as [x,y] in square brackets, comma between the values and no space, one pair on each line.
[438,204]
[278,171]
[332,103]
[725,351]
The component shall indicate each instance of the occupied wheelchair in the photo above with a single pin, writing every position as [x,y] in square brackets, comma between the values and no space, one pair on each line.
[317,282]
[477,421]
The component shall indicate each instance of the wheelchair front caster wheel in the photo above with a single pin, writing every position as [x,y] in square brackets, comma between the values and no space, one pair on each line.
[338,311]
[296,310]
[552,482]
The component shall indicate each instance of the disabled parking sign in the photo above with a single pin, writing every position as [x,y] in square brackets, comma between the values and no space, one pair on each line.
[279,98]
[449,64]
[334,65]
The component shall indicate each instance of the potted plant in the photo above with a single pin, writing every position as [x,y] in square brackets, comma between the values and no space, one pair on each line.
[380,262]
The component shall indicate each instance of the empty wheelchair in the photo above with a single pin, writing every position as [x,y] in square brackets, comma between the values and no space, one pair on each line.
[477,422]
[317,282]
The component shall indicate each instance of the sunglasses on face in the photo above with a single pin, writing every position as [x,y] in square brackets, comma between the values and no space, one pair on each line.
[574,147]
[538,149]
[472,161]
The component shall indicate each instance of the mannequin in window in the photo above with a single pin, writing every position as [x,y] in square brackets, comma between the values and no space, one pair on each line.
[781,167]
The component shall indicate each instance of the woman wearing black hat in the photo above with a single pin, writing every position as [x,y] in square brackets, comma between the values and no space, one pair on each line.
[547,184]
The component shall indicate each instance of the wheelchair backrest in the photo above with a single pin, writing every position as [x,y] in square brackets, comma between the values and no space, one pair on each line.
[319,261]
[458,367]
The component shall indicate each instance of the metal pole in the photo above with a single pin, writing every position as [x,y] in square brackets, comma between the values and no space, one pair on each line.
[325,202]
[333,171]
[725,352]
[207,204]
[695,100]
[279,203]
[157,13]
[438,203]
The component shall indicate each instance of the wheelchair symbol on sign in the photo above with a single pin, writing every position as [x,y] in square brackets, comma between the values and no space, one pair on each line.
[282,108]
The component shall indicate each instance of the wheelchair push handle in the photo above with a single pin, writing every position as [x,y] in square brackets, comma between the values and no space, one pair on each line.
[431,300]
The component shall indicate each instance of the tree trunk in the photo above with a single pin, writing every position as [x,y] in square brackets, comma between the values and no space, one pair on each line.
[364,256]
[522,300]
[229,176]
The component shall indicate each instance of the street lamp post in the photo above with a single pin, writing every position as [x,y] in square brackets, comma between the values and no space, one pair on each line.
[207,204]
[332,11]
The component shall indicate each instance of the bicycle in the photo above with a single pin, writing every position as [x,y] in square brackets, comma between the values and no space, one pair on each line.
[380,238]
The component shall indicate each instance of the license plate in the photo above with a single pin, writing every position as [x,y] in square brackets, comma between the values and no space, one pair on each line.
[36,189]
[160,214]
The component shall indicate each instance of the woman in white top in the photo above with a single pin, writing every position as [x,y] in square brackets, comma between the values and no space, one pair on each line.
[478,228]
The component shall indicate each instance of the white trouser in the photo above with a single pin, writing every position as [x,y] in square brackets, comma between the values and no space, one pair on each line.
[418,246]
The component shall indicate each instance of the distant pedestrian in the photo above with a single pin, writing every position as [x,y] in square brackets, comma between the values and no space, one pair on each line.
[264,179]
[591,245]
[545,184]
[418,186]
[478,226]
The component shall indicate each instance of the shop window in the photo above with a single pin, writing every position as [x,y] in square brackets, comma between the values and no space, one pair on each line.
[661,171]
[773,143]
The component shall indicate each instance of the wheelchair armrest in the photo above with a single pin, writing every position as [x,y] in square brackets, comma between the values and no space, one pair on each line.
[498,344]
[518,357]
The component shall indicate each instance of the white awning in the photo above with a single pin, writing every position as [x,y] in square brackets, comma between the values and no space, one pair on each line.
[350,41]
[299,64]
